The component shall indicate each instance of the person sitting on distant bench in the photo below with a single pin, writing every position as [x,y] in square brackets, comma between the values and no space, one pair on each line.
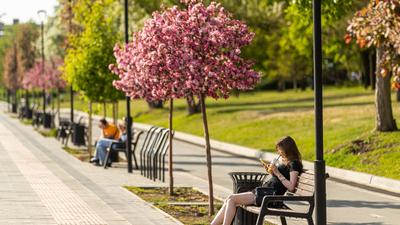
[122,130]
[110,133]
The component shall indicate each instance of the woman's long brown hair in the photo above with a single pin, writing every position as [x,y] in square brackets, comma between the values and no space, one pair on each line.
[289,148]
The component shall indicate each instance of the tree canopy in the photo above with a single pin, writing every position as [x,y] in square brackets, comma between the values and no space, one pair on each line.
[91,50]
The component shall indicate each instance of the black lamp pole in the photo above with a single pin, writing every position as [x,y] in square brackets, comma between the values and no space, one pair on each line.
[128,105]
[44,91]
[71,89]
[319,163]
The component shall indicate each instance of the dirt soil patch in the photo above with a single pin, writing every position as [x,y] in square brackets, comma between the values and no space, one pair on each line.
[186,205]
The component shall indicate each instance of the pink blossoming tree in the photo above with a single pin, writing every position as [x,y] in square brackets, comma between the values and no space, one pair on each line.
[50,79]
[182,52]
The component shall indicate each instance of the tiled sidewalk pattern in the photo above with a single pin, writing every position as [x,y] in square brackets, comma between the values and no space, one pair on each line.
[65,206]
[42,184]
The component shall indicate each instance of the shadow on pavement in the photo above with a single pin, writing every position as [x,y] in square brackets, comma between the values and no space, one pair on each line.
[216,163]
[362,204]
[373,223]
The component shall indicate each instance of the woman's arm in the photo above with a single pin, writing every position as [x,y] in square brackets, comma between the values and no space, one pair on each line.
[289,184]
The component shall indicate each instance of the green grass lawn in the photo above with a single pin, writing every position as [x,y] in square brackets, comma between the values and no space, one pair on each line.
[258,119]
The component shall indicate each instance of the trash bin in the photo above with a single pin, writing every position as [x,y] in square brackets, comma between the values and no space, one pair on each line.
[47,120]
[78,134]
[28,113]
[243,182]
[14,108]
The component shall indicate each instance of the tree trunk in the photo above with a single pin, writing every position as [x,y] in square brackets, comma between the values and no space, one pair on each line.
[44,101]
[372,69]
[170,162]
[27,99]
[117,109]
[208,156]
[58,102]
[155,104]
[281,85]
[104,110]
[114,115]
[90,130]
[295,84]
[383,103]
[192,106]
[52,100]
[398,95]
[15,102]
[366,65]
[8,100]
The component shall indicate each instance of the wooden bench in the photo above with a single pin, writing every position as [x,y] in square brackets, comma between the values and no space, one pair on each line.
[304,192]
[117,147]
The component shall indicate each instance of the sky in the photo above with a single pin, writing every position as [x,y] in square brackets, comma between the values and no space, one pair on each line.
[24,10]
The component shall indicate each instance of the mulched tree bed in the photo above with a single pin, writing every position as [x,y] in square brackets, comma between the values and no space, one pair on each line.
[187,205]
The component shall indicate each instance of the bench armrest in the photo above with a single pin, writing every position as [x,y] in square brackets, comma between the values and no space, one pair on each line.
[136,137]
[273,198]
[113,143]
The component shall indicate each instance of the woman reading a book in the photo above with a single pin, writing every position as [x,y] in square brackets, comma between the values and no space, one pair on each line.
[284,177]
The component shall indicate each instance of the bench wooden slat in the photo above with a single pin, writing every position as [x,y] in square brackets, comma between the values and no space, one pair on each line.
[300,192]
[308,172]
[305,187]
[306,181]
[306,176]
[256,210]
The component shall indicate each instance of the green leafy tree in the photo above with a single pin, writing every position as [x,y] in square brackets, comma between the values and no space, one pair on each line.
[86,62]
[378,25]
[12,77]
[6,42]
[26,37]
[91,51]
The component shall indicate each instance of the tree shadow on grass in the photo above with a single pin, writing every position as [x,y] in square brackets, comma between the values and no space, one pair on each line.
[287,109]
[266,103]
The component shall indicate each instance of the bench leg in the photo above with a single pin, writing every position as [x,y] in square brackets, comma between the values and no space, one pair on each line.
[260,219]
[134,159]
[283,220]
[66,140]
[106,159]
[310,221]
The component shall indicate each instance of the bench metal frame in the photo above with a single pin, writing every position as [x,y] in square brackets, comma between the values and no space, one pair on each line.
[121,147]
[304,192]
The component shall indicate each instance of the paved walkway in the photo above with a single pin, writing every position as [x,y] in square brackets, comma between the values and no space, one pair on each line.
[42,184]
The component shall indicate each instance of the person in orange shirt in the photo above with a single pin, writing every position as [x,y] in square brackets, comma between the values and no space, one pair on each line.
[110,133]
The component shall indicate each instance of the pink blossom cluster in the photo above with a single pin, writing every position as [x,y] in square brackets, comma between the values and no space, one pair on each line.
[51,78]
[181,52]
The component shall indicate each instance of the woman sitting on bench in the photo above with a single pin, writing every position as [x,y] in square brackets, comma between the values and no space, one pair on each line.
[284,177]
[110,133]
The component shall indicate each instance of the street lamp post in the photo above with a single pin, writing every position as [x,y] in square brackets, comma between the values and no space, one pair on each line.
[128,105]
[71,88]
[42,16]
[319,163]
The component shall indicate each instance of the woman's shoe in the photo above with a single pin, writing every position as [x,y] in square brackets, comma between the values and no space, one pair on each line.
[94,160]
